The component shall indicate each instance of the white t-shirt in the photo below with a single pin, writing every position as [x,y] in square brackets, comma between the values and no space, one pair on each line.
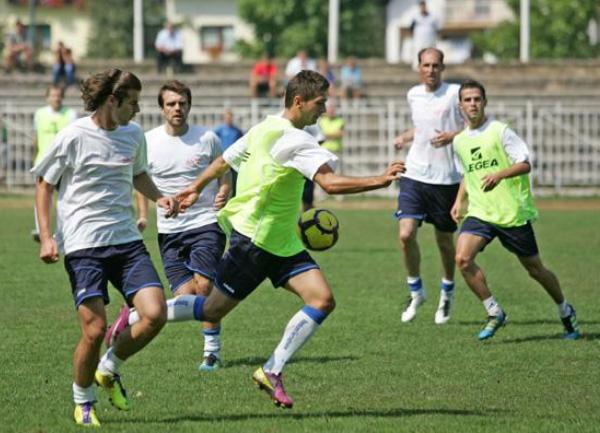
[174,162]
[295,149]
[515,147]
[95,168]
[295,65]
[432,112]
[166,40]
[425,28]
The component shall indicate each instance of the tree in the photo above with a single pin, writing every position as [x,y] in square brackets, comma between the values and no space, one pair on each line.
[285,26]
[112,26]
[558,30]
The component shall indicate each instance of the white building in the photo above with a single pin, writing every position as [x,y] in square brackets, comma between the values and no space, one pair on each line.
[457,18]
[209,27]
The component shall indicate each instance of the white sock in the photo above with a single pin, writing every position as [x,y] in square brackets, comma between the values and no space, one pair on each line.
[492,307]
[110,363]
[134,317]
[84,395]
[564,309]
[179,309]
[212,341]
[297,332]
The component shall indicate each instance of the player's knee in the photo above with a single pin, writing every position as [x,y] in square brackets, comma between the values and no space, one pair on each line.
[407,236]
[94,331]
[325,304]
[155,316]
[463,262]
[203,287]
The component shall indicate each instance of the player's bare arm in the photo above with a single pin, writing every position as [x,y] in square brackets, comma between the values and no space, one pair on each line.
[491,181]
[457,208]
[142,211]
[224,189]
[143,183]
[215,170]
[404,138]
[443,138]
[335,184]
[43,203]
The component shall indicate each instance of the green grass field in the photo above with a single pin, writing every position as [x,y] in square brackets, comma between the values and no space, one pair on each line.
[363,371]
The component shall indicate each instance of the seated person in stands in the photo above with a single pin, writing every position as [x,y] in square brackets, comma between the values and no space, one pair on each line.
[351,78]
[325,70]
[63,68]
[263,80]
[18,51]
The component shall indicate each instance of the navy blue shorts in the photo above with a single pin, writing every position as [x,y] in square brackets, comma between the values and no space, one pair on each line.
[518,240]
[127,266]
[427,202]
[244,266]
[195,251]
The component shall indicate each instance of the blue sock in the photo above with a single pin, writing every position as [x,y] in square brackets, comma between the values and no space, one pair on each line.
[446,285]
[314,313]
[199,307]
[414,283]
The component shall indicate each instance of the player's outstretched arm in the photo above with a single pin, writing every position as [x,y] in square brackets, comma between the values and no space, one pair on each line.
[335,184]
[43,203]
[215,170]
[145,186]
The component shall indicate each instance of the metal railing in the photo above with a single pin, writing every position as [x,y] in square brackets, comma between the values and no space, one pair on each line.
[564,139]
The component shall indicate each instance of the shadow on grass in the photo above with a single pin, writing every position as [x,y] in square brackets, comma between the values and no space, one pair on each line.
[533,338]
[253,361]
[525,322]
[351,413]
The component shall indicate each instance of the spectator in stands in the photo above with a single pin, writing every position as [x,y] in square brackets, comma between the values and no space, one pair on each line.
[18,51]
[229,134]
[332,127]
[48,121]
[299,63]
[424,28]
[351,78]
[63,68]
[169,48]
[325,70]
[263,80]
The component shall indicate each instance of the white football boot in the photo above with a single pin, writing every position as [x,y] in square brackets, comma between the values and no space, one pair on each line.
[414,302]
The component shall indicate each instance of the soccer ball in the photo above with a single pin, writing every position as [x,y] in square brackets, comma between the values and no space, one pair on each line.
[318,229]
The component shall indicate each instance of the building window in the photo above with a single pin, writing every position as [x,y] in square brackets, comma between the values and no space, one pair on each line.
[217,38]
[482,8]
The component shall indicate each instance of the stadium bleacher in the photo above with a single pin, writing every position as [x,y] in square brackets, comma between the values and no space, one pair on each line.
[553,105]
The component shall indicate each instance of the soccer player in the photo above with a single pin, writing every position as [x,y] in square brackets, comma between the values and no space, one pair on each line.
[94,163]
[495,165]
[192,244]
[272,160]
[428,189]
[47,121]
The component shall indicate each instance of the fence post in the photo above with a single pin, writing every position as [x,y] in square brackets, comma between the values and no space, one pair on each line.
[529,134]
